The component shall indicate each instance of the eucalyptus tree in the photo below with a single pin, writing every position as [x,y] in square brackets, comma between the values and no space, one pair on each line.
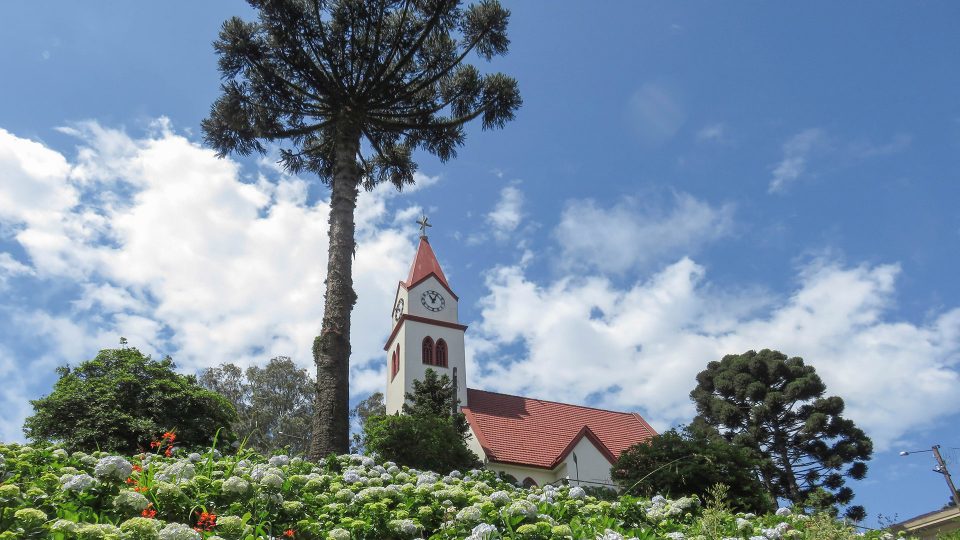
[348,90]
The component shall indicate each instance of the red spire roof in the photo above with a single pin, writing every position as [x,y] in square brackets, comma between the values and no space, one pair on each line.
[538,433]
[424,264]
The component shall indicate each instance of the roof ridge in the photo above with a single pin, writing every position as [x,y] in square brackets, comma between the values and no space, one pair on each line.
[556,402]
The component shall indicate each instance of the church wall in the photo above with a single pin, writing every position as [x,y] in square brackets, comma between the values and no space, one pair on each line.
[540,476]
[591,465]
[416,369]
[395,387]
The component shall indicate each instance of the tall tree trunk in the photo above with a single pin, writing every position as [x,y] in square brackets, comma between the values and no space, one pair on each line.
[331,349]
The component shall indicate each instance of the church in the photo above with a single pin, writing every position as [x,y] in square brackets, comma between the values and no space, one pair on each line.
[537,441]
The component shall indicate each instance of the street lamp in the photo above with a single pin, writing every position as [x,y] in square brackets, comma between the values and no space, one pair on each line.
[940,468]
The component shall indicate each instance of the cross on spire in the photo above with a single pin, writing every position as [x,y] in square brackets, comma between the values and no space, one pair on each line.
[424,222]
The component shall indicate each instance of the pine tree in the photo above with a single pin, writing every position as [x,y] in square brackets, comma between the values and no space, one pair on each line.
[350,88]
[776,406]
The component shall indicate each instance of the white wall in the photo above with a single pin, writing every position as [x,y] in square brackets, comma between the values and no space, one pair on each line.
[591,464]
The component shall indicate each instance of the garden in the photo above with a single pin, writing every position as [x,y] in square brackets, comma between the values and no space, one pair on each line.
[171,494]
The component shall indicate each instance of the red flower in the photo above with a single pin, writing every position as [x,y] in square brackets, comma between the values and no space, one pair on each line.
[130,480]
[138,468]
[289,533]
[141,489]
[206,522]
[169,451]
[149,512]
[170,436]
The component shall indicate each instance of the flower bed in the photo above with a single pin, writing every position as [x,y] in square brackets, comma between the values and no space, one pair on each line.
[48,493]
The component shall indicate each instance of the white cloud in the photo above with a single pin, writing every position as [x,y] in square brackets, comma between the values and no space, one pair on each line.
[640,347]
[796,153]
[633,234]
[711,133]
[656,113]
[507,214]
[175,250]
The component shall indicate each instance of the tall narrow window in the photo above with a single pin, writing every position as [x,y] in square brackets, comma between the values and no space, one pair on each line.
[441,353]
[529,482]
[428,350]
[395,363]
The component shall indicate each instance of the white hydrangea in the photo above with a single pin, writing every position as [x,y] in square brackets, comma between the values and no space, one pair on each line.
[577,492]
[775,533]
[783,512]
[500,497]
[271,481]
[521,508]
[367,461]
[677,535]
[743,524]
[470,514]
[610,535]
[194,457]
[258,471]
[404,526]
[351,477]
[178,531]
[113,467]
[177,472]
[339,534]
[130,501]
[235,486]
[279,461]
[483,531]
[78,482]
[59,453]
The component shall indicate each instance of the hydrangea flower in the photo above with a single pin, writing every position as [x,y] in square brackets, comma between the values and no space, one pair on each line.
[470,514]
[178,531]
[279,461]
[271,481]
[113,467]
[339,534]
[194,457]
[130,502]
[500,497]
[235,486]
[141,528]
[351,477]
[676,535]
[64,526]
[78,482]
[404,526]
[577,492]
[783,512]
[483,531]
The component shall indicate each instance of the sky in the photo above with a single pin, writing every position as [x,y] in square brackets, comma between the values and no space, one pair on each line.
[683,181]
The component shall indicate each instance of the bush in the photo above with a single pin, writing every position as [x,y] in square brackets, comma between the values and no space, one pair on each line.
[121,399]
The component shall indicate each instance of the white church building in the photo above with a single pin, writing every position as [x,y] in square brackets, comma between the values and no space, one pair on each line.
[536,441]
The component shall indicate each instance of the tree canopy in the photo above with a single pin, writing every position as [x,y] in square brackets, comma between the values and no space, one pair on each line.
[372,405]
[349,89]
[121,400]
[690,461]
[775,405]
[274,403]
[428,435]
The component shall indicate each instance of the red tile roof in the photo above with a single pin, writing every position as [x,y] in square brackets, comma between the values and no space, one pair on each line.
[538,433]
[424,264]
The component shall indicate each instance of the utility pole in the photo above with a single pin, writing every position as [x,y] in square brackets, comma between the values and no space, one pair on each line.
[942,469]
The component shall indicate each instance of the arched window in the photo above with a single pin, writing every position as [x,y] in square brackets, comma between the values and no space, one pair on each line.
[529,482]
[441,353]
[428,350]
[395,363]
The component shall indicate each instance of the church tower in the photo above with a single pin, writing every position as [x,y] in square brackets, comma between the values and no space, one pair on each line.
[426,329]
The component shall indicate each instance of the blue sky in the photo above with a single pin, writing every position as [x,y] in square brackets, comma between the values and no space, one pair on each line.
[683,181]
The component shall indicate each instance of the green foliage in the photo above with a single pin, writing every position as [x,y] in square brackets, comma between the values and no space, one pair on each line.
[690,461]
[121,400]
[274,403]
[428,435]
[372,406]
[51,494]
[776,406]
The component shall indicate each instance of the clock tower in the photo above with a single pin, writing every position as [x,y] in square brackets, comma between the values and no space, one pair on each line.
[426,332]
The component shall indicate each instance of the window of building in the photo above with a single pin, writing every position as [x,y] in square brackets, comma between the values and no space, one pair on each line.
[441,353]
[395,363]
[529,482]
[428,350]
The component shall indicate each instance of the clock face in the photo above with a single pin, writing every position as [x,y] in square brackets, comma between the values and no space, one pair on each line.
[398,310]
[432,300]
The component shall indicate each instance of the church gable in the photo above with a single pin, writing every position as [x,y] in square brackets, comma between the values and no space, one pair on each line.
[538,433]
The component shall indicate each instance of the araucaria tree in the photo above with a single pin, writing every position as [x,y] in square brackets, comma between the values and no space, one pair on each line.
[349,89]
[776,406]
